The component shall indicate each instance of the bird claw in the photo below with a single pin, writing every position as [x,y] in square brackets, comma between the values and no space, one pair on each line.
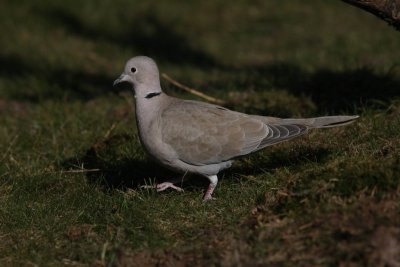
[208,198]
[165,185]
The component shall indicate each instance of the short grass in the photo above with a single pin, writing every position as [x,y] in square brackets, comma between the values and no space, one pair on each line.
[327,199]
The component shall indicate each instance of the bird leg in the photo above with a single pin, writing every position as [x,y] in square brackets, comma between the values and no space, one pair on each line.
[213,183]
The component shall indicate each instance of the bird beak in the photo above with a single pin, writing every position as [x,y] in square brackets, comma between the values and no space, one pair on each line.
[122,78]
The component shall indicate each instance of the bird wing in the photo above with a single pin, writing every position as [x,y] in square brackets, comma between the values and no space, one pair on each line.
[203,134]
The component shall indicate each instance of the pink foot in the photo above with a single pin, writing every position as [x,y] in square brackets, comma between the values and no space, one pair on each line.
[213,183]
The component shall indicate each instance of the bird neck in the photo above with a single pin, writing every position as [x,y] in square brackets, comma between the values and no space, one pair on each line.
[148,103]
[147,91]
[148,109]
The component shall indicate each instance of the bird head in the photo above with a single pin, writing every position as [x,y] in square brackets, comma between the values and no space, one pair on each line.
[142,74]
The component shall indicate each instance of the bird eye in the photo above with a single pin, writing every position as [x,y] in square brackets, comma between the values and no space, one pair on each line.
[133,70]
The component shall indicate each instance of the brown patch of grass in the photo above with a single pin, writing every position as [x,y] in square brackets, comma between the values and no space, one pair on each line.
[76,232]
[385,245]
[362,230]
[126,258]
[14,107]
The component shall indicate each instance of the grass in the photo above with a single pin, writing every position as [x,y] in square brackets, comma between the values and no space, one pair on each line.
[328,199]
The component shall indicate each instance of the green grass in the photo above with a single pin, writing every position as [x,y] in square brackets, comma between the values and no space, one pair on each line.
[327,199]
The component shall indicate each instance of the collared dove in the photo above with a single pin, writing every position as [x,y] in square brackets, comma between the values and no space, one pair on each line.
[201,138]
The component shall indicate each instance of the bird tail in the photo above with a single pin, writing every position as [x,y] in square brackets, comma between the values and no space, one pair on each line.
[323,122]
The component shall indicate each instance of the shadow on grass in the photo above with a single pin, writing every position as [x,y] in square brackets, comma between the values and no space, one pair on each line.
[145,33]
[114,168]
[330,90]
[55,82]
[111,168]
[276,159]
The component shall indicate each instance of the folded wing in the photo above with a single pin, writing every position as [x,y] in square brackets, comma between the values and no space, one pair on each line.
[204,134]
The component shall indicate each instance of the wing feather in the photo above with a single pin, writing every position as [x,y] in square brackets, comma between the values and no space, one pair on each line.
[202,133]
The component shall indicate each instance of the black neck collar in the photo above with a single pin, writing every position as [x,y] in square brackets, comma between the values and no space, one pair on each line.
[151,95]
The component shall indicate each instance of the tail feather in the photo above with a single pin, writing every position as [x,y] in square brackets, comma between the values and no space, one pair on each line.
[322,122]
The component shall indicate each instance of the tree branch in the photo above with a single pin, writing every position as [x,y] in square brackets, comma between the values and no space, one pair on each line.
[193,91]
[388,10]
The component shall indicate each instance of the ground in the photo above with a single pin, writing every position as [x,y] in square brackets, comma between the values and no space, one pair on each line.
[71,163]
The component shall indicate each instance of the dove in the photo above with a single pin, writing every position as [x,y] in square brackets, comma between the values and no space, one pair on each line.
[195,137]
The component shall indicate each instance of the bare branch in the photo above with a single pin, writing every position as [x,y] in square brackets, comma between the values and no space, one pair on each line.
[388,10]
[193,91]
